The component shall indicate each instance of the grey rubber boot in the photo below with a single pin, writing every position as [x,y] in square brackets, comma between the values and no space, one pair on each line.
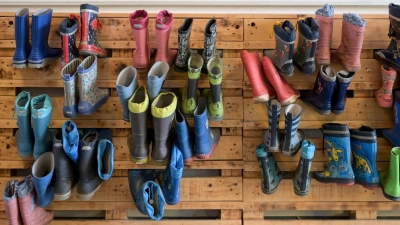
[127,83]
[293,137]
[189,94]
[272,136]
[210,38]
[301,177]
[184,31]
[271,174]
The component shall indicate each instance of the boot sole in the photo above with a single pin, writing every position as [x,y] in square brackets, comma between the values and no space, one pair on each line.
[87,197]
[62,197]
[321,112]
[160,163]
[218,119]
[305,72]
[390,197]
[271,191]
[202,156]
[94,108]
[300,193]
[301,136]
[337,112]
[40,63]
[187,161]
[369,186]
[88,50]
[139,160]
[338,181]
[20,65]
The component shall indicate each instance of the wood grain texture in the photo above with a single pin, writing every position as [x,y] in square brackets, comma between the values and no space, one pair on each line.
[320,222]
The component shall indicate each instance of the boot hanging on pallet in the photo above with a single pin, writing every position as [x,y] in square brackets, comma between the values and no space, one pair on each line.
[270,172]
[41,53]
[390,55]
[184,137]
[22,45]
[389,178]
[90,23]
[184,31]
[189,94]
[210,39]
[338,100]
[68,31]
[293,137]
[301,177]
[215,95]
[69,74]
[324,18]
[10,201]
[24,135]
[164,21]
[272,137]
[127,83]
[156,78]
[70,141]
[393,134]
[43,179]
[384,95]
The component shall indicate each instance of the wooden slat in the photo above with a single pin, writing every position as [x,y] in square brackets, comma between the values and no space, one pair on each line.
[366,214]
[231,214]
[116,215]
[320,222]
[146,222]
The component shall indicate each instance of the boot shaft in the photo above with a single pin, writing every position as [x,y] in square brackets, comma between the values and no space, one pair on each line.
[324,18]
[394,17]
[172,176]
[88,157]
[90,23]
[21,36]
[195,62]
[156,78]
[388,78]
[184,136]
[22,107]
[272,138]
[65,171]
[126,84]
[301,178]
[105,159]
[210,38]
[42,110]
[215,68]
[324,87]
[68,32]
[293,138]
[271,174]
[43,179]
[184,32]
[41,23]
[164,21]
[343,80]
[139,23]
[10,201]
[308,37]
[69,75]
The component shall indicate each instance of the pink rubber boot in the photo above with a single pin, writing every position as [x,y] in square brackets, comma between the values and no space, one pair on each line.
[323,52]
[164,23]
[384,95]
[10,201]
[141,55]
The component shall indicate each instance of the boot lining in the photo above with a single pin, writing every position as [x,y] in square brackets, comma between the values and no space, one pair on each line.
[106,159]
[91,137]
[44,165]
[294,109]
[42,11]
[22,102]
[126,80]
[139,96]
[22,12]
[160,69]
[38,105]
[164,101]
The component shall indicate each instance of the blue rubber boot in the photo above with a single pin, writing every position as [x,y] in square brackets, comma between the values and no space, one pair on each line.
[337,141]
[319,98]
[24,135]
[301,177]
[338,102]
[105,159]
[41,53]
[293,137]
[69,76]
[22,46]
[206,138]
[393,134]
[146,193]
[127,83]
[90,96]
[42,110]
[364,146]
[184,136]
[271,174]
[42,173]
[70,140]
[68,31]
[155,78]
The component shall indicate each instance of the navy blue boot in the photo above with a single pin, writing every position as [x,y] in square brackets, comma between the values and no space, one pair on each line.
[364,146]
[42,173]
[270,172]
[293,137]
[338,102]
[68,30]
[206,138]
[24,135]
[184,136]
[393,134]
[146,193]
[41,53]
[319,98]
[22,46]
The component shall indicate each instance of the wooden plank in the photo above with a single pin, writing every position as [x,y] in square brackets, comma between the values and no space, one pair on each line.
[320,222]
[146,222]
[363,94]
[231,214]
[366,214]
[116,215]
[231,131]
[6,91]
[253,215]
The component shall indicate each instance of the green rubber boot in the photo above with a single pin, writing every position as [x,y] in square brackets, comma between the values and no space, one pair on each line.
[215,95]
[390,178]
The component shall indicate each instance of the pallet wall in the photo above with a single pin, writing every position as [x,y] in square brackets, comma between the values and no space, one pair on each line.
[235,192]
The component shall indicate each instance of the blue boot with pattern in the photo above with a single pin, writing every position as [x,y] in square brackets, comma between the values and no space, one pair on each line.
[271,174]
[302,178]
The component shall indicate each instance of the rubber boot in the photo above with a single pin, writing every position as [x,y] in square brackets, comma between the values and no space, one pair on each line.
[302,178]
[262,91]
[282,55]
[141,55]
[105,159]
[163,111]
[390,54]
[271,175]
[43,179]
[286,94]
[68,32]
[338,100]
[89,180]
[66,173]
[90,96]
[184,31]
[164,21]
[70,141]
[389,178]
[190,93]
[31,214]
[364,147]
[156,78]
[127,83]
[69,76]
[90,23]
[146,193]
[393,134]
[138,141]
[22,45]
[210,39]
[305,52]
[24,136]
[349,50]
[293,137]
[272,137]
[215,95]
[170,178]
[41,53]
[10,202]
[42,110]
[319,98]
[206,138]
[384,96]
[184,137]
[324,18]
[337,141]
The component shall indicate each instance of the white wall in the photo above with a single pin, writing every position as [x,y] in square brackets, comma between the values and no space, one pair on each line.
[205,6]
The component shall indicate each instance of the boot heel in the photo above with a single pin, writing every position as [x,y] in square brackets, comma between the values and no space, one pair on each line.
[62,197]
[87,197]
[139,160]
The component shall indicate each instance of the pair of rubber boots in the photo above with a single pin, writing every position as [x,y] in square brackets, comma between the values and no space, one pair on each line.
[261,79]
[90,96]
[292,137]
[329,91]
[190,94]
[36,112]
[19,204]
[39,54]
[87,26]
[184,53]
[284,55]
[341,143]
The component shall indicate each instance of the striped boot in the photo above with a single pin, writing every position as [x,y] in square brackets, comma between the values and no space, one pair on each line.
[293,137]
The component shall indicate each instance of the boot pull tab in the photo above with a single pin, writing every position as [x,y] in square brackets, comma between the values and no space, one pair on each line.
[277,23]
[96,24]
[73,17]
